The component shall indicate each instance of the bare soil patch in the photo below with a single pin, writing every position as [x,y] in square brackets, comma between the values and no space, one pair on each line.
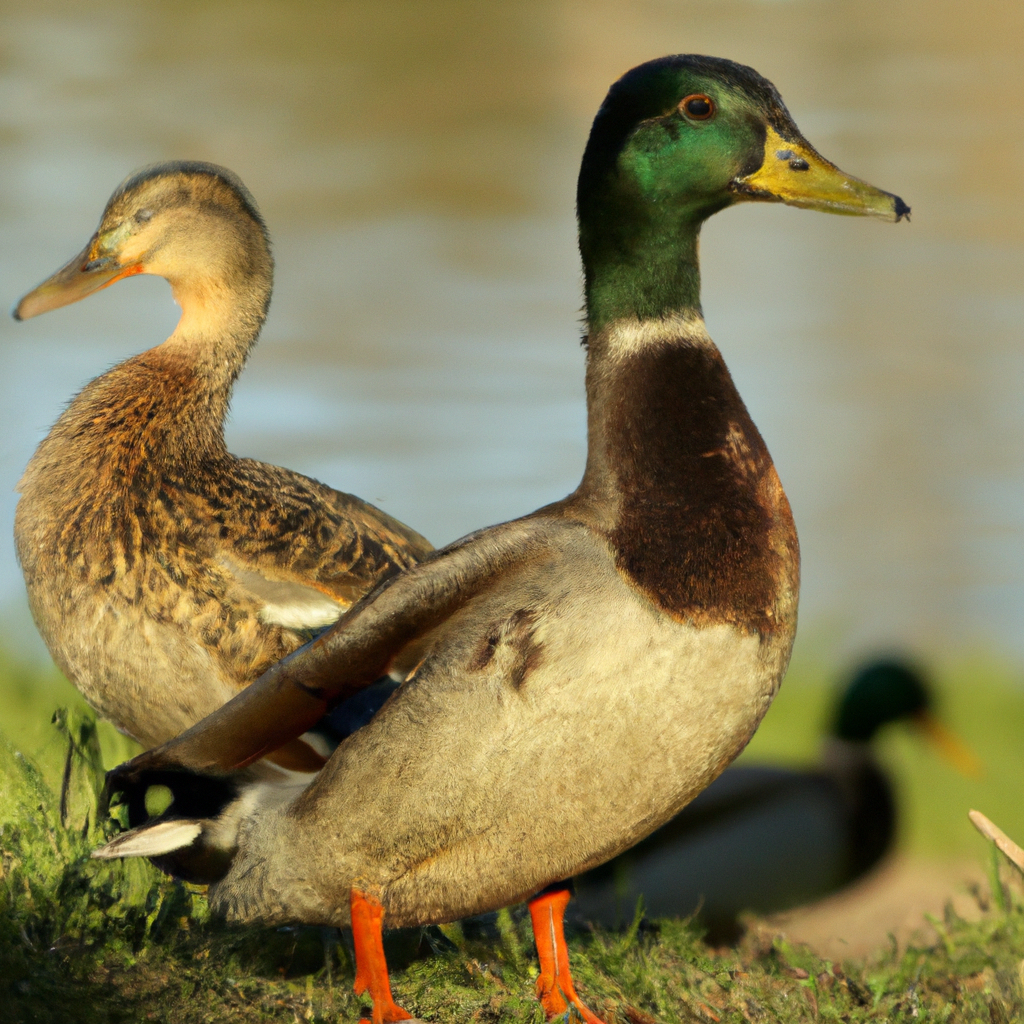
[895,900]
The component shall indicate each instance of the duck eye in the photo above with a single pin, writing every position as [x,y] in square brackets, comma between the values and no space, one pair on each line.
[143,215]
[698,106]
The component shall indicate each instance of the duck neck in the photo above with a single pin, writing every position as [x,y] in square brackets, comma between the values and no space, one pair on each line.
[641,275]
[642,280]
[639,223]
[677,474]
[221,319]
[648,381]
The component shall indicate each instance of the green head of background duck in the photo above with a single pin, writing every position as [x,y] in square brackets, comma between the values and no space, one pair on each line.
[890,691]
[582,673]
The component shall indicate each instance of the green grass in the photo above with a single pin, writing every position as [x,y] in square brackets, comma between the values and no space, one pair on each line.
[29,694]
[83,941]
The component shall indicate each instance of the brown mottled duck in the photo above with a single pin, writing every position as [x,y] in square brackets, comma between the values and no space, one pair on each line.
[164,573]
[584,672]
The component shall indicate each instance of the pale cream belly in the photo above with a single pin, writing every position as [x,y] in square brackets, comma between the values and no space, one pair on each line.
[146,677]
[469,792]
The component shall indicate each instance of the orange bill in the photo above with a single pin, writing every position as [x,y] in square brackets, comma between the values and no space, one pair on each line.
[91,270]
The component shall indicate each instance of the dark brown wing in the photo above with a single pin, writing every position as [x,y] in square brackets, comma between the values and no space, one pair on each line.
[293,525]
[305,551]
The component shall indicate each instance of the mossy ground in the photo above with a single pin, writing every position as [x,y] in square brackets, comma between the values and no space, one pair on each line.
[83,941]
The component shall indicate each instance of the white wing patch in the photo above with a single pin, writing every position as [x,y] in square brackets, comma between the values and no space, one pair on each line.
[286,603]
[306,613]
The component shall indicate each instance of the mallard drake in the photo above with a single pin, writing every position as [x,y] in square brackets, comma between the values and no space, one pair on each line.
[765,839]
[583,672]
[164,573]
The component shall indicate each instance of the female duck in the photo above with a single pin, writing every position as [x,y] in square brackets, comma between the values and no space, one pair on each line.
[585,671]
[164,573]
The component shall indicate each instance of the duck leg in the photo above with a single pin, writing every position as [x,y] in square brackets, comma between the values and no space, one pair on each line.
[371,967]
[554,986]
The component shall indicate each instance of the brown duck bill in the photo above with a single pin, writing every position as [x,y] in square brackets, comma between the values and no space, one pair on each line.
[794,173]
[88,272]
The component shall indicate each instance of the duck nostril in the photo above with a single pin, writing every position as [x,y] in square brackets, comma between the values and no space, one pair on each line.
[799,164]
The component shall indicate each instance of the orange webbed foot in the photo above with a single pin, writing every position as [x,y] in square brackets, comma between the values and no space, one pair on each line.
[555,989]
[371,967]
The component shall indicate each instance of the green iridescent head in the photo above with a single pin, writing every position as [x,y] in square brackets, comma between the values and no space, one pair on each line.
[676,140]
[879,693]
[892,690]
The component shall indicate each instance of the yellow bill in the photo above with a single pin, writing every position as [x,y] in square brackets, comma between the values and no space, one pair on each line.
[950,746]
[794,173]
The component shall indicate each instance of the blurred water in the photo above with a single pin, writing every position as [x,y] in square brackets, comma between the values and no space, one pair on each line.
[416,161]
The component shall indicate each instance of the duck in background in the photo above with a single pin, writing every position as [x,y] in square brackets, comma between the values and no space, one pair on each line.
[583,672]
[164,573]
[764,839]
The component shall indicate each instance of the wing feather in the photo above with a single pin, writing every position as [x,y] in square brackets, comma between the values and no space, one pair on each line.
[294,694]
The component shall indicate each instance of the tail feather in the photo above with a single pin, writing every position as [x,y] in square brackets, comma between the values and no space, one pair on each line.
[151,840]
